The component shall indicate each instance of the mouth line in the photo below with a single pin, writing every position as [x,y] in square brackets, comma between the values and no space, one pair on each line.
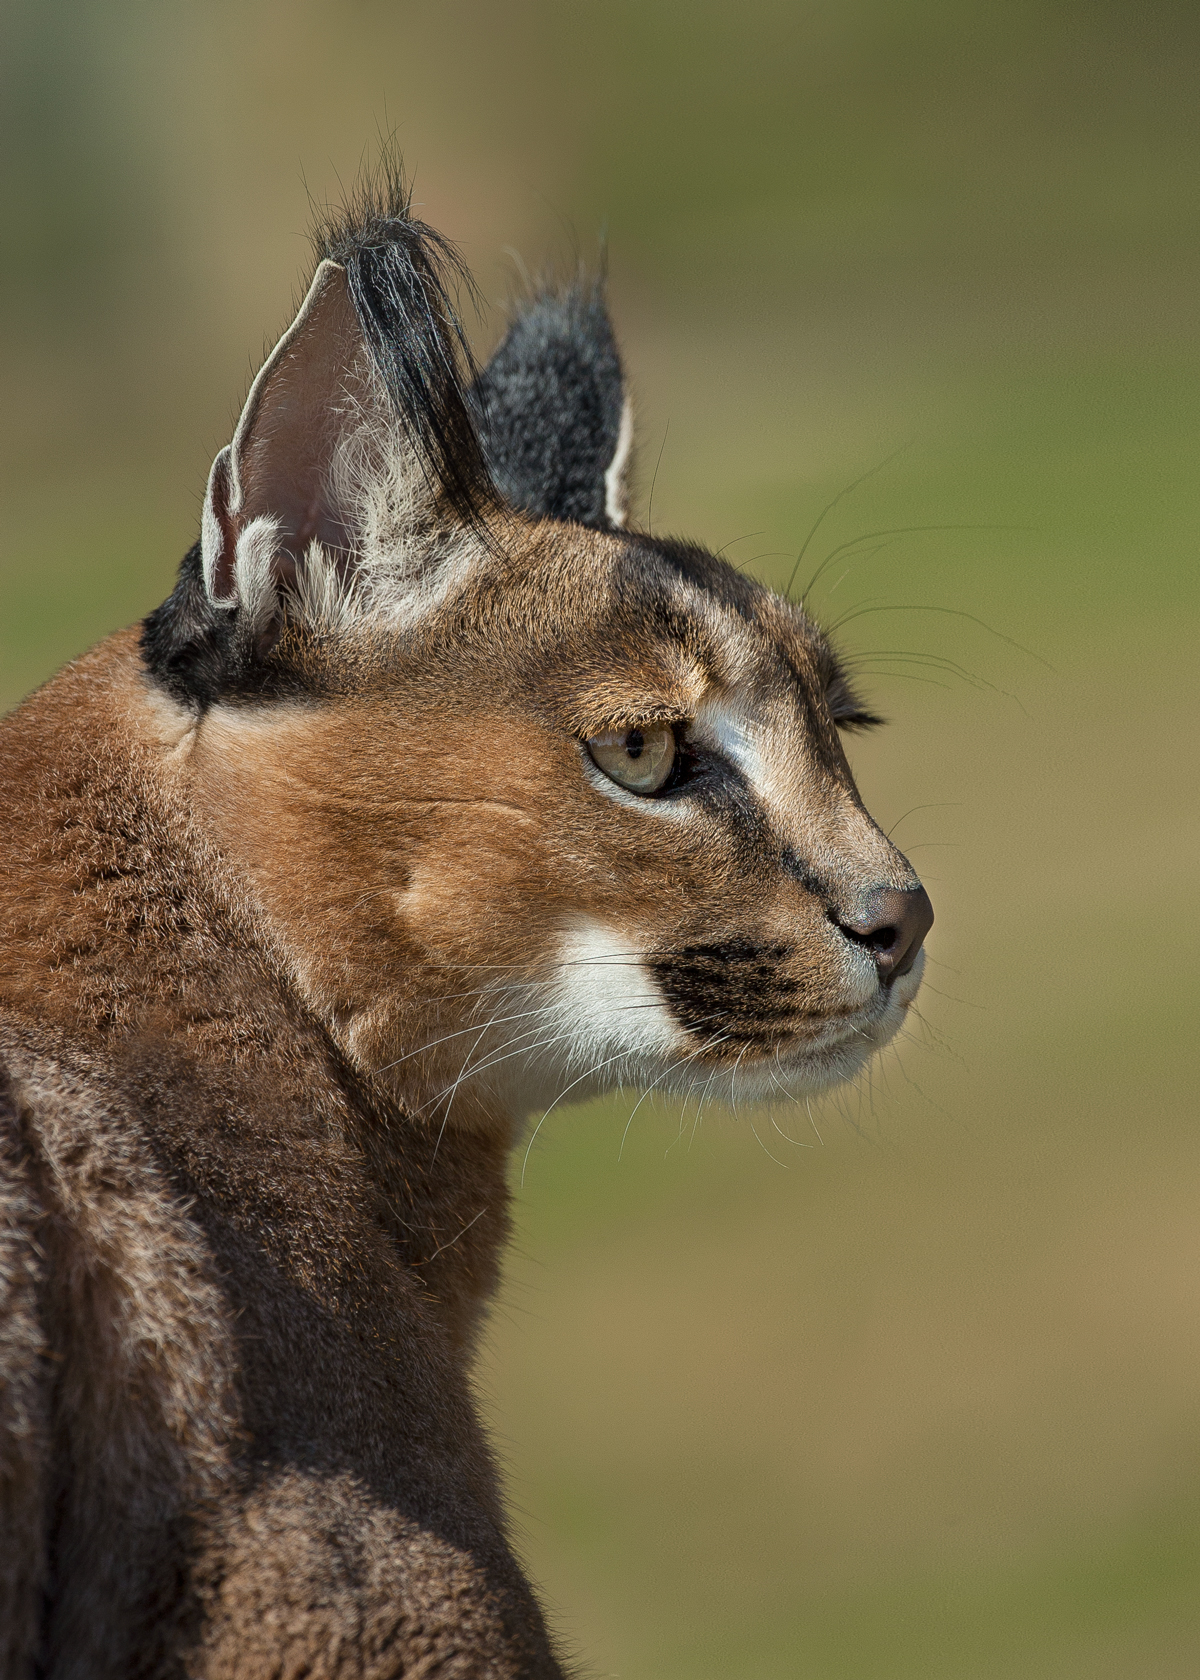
[833,1035]
[823,1048]
[847,1022]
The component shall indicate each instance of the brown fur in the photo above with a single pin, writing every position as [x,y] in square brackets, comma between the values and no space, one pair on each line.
[265,972]
[236,1317]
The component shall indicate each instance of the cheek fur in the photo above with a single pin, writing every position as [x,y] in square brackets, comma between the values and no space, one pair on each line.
[606,994]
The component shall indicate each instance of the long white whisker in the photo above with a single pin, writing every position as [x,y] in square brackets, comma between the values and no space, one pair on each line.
[496,1021]
[733,1078]
[621,1056]
[766,1151]
[461,1075]
[707,1087]
[681,1061]
[505,1052]
[795,1142]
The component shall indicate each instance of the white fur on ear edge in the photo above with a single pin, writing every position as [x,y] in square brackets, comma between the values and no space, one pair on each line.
[234,537]
[212,534]
[253,568]
[616,491]
[321,496]
[247,573]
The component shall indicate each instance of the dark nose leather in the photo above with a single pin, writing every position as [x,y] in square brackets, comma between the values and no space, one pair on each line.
[892,923]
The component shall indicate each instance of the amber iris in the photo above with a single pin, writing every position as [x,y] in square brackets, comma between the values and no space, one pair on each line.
[639,759]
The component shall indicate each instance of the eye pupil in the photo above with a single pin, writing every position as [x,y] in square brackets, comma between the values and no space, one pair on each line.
[639,759]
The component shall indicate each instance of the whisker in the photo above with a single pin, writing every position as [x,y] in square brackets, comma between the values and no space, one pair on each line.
[938,963]
[733,540]
[795,1142]
[454,1089]
[821,517]
[901,676]
[505,1051]
[867,554]
[532,973]
[936,662]
[949,612]
[943,805]
[924,1095]
[496,1021]
[453,1239]
[733,1079]
[587,1074]
[612,959]
[766,1151]
[967,1003]
[890,531]
[708,1085]
[681,1061]
[654,480]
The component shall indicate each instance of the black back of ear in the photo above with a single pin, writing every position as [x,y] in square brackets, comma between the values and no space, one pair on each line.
[551,411]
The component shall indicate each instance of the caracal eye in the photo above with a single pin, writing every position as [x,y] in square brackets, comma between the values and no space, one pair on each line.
[638,759]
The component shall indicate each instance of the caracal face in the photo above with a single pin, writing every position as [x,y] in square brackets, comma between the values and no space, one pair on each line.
[497,905]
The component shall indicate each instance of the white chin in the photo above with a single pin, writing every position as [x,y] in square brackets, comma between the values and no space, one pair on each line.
[609,1025]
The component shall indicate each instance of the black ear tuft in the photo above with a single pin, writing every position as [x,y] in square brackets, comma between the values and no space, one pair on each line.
[401,274]
[551,411]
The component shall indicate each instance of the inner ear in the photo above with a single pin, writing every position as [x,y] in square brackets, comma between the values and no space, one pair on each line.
[552,412]
[277,488]
[314,390]
[356,450]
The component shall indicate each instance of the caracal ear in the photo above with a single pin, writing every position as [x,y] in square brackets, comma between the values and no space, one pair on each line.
[553,415]
[272,491]
[355,456]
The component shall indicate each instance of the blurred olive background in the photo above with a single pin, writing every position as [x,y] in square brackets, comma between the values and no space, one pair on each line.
[909,1386]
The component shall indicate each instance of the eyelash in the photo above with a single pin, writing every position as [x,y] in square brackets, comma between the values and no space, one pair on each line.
[854,718]
[846,709]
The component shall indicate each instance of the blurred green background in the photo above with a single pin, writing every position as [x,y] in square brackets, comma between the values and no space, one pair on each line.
[913,1389]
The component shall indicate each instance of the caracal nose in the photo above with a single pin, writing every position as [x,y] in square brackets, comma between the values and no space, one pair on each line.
[892,923]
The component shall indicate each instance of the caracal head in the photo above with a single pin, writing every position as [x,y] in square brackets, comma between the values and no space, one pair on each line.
[533,803]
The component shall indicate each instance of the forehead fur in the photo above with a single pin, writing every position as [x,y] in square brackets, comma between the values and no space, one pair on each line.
[591,630]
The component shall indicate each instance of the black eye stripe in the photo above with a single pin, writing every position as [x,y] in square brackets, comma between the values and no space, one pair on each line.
[805,874]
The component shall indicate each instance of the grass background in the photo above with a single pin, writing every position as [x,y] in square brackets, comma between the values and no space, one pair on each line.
[914,1388]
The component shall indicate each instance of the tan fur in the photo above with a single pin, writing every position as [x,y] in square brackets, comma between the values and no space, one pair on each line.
[281,977]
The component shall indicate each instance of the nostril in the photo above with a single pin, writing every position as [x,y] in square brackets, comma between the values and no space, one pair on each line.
[891,923]
[882,939]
